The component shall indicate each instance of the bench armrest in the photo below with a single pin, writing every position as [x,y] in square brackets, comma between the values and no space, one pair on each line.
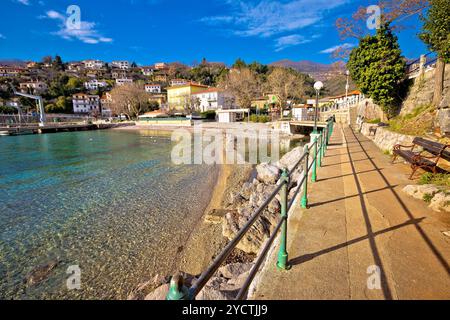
[399,147]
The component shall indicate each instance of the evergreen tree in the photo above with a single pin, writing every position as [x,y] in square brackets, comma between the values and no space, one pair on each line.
[377,67]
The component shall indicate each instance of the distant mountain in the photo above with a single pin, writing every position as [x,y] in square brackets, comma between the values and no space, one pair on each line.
[317,71]
[12,62]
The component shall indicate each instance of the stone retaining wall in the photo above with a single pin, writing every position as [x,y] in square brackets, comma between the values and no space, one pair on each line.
[385,139]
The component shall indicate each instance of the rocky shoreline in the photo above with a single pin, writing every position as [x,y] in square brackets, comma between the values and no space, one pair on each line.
[245,190]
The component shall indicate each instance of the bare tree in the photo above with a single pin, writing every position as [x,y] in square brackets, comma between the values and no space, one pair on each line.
[243,85]
[286,84]
[129,99]
[392,11]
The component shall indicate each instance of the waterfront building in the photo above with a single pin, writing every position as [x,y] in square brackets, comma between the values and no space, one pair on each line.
[84,103]
[152,88]
[214,99]
[180,97]
[300,113]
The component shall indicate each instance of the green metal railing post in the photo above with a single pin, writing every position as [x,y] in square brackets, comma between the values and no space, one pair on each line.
[305,186]
[177,289]
[324,144]
[319,155]
[282,263]
[314,167]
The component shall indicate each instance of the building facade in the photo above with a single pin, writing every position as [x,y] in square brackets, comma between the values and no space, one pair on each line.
[95,84]
[94,64]
[152,88]
[36,87]
[124,81]
[86,104]
[124,65]
[180,97]
[214,99]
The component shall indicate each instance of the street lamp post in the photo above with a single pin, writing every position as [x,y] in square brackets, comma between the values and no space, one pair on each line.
[347,87]
[317,86]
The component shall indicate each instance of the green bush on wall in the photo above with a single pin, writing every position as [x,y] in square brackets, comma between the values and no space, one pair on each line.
[259,118]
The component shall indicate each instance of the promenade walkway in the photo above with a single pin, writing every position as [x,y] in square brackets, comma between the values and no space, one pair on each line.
[359,217]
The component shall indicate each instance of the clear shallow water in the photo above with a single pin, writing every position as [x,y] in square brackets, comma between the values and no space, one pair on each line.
[109,201]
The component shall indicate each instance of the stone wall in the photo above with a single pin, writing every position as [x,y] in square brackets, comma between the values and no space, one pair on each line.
[385,139]
[422,91]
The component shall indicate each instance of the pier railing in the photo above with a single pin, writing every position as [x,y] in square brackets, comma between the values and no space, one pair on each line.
[317,148]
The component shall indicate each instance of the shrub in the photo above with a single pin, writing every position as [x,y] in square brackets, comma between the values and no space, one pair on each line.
[374,121]
[427,197]
[439,179]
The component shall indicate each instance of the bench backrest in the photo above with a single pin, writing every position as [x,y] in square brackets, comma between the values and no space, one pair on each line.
[435,148]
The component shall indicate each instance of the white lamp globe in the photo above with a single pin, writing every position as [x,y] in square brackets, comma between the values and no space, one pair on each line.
[347,72]
[318,85]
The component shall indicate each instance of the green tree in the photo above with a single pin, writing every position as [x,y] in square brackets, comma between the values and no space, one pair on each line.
[74,85]
[436,34]
[57,64]
[239,64]
[378,67]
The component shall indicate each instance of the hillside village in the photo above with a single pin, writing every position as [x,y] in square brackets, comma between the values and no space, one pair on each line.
[86,88]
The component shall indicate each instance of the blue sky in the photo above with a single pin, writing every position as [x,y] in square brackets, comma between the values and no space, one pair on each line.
[148,31]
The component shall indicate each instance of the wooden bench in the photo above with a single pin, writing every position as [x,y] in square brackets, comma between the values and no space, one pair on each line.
[373,130]
[426,158]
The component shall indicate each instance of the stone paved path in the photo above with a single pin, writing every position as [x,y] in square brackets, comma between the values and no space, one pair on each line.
[359,217]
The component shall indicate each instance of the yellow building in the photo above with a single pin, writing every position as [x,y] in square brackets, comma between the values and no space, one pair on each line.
[180,97]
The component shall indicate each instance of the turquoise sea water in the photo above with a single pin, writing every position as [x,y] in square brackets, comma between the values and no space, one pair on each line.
[110,202]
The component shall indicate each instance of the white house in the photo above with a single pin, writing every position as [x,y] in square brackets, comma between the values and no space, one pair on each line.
[153,88]
[300,113]
[123,81]
[214,99]
[124,65]
[344,101]
[35,87]
[95,84]
[93,64]
[147,71]
[84,103]
[178,82]
[106,101]
[160,65]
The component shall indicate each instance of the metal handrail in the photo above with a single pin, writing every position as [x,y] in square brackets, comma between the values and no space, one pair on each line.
[178,291]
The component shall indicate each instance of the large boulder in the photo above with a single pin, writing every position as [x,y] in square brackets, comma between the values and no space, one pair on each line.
[234,270]
[159,294]
[290,159]
[268,174]
[440,202]
[419,191]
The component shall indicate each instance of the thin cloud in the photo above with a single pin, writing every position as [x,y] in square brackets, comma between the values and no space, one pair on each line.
[2,36]
[267,17]
[289,41]
[86,33]
[341,46]
[24,2]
